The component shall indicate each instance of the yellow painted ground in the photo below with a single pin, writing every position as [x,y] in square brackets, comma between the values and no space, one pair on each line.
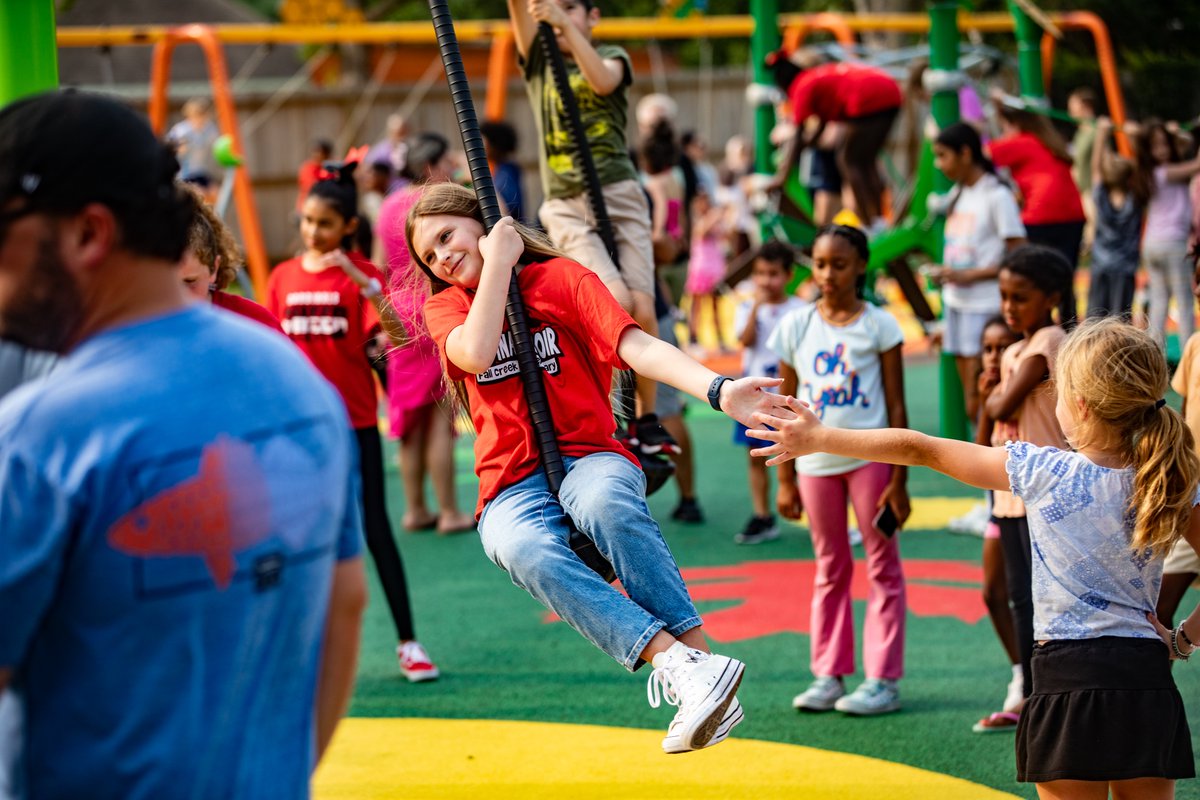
[452,759]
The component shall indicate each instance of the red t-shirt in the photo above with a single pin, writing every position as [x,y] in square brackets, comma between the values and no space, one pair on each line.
[1048,191]
[839,92]
[326,315]
[576,325]
[247,308]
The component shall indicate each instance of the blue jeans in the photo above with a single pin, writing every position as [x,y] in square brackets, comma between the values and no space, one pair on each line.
[524,532]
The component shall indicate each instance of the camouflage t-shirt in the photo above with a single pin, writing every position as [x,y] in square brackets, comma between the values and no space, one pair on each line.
[603,120]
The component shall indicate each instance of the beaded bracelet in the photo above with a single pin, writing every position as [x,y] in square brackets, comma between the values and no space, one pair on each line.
[1179,654]
[1186,638]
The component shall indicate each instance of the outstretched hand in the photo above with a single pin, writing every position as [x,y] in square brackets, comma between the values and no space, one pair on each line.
[793,434]
[746,398]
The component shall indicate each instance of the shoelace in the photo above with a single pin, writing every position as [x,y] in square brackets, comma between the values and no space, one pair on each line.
[413,651]
[660,687]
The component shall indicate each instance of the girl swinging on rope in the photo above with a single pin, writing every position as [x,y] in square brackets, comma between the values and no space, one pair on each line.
[580,334]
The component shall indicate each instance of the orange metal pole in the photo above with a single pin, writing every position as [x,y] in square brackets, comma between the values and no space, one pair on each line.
[218,76]
[1087,21]
[500,66]
[160,76]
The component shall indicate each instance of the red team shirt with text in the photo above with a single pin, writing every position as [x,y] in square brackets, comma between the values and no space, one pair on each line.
[576,325]
[325,314]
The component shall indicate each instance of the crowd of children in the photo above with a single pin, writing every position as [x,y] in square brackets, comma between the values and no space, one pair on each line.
[1092,484]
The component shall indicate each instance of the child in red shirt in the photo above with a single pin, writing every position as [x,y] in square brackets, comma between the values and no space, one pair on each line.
[865,100]
[580,334]
[330,302]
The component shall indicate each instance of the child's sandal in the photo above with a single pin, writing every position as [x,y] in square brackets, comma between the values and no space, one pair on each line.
[998,722]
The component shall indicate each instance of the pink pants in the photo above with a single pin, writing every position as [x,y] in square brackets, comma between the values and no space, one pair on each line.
[832,612]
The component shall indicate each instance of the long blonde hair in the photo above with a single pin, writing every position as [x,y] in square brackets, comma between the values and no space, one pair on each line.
[459,201]
[1118,374]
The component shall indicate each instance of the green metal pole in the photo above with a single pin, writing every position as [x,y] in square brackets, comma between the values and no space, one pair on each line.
[763,41]
[1029,53]
[943,58]
[28,49]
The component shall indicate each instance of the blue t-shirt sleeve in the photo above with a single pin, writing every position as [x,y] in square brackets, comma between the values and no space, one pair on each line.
[36,520]
[350,537]
[1032,470]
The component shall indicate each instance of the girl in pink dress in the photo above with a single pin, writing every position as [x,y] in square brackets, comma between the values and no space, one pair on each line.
[417,416]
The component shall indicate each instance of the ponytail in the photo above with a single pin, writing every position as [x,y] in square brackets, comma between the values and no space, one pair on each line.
[1164,482]
[1118,373]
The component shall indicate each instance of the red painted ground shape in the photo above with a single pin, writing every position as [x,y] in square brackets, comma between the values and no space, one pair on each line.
[776,596]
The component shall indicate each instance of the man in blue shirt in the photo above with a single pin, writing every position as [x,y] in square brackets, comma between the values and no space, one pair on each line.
[180,576]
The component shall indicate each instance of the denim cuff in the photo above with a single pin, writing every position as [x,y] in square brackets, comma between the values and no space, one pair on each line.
[633,662]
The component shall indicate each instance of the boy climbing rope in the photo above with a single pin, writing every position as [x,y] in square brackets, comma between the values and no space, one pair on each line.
[599,75]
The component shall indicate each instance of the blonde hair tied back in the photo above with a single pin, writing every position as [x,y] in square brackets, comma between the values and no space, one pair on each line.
[1118,374]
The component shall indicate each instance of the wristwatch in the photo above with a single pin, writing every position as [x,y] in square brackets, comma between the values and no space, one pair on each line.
[714,391]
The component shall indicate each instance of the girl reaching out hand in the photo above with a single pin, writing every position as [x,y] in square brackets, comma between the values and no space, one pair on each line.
[580,334]
[1104,714]
[842,355]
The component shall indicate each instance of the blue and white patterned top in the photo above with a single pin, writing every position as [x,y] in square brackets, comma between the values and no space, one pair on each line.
[1087,581]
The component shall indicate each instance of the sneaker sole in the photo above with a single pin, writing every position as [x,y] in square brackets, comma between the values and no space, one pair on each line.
[422,676]
[728,723]
[721,696]
[810,709]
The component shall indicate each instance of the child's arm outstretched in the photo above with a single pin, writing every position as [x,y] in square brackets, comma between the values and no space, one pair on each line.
[660,362]
[972,464]
[472,346]
[787,497]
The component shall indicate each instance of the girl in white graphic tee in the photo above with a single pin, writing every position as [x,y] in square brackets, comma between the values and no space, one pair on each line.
[842,356]
[982,224]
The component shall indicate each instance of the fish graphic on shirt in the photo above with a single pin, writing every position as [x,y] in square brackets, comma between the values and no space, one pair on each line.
[215,514]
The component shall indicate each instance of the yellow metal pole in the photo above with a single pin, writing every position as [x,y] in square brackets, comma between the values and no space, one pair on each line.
[484,31]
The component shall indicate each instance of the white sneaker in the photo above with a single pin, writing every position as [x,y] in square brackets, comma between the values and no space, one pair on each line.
[1015,696]
[701,685]
[874,696]
[415,663]
[855,537]
[972,523]
[820,695]
[733,717]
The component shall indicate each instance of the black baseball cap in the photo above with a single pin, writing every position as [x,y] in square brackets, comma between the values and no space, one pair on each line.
[64,149]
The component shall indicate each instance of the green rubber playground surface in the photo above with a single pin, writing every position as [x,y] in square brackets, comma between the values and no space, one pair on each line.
[503,658]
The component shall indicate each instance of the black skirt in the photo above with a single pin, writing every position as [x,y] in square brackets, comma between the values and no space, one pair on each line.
[1103,710]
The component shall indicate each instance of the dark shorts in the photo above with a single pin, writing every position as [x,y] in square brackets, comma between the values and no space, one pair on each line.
[1103,710]
[823,172]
